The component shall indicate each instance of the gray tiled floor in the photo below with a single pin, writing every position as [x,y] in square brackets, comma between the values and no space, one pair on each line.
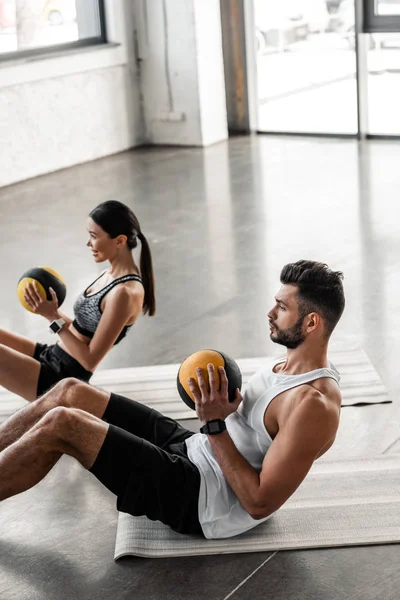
[221,223]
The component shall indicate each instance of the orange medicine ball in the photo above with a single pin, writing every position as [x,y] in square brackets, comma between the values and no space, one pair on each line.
[202,359]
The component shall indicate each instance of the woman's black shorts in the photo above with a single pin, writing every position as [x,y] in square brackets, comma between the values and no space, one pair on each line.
[143,461]
[55,366]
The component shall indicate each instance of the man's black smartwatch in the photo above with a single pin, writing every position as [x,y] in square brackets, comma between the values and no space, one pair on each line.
[213,427]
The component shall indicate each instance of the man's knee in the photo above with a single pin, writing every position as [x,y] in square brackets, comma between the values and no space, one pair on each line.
[67,392]
[66,385]
[50,429]
[55,421]
[56,425]
[70,431]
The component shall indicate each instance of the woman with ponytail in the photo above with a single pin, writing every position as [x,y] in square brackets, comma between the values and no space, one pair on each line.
[103,313]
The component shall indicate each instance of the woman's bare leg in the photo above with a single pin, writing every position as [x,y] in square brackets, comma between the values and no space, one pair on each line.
[61,431]
[17,342]
[19,373]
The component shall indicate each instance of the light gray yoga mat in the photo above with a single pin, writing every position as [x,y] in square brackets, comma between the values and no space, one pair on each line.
[156,386]
[342,503]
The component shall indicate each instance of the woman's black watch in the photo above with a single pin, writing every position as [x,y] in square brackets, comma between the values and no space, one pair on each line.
[213,427]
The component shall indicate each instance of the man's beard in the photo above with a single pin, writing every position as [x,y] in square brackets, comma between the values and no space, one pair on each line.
[291,337]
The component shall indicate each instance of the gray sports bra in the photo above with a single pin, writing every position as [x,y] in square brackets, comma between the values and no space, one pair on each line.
[87,308]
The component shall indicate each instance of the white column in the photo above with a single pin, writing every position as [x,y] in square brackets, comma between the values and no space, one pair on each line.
[182,75]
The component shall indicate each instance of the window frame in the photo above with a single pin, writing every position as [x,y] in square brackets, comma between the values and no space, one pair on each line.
[47,51]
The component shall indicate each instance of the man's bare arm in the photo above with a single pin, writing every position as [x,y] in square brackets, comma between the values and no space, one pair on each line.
[307,431]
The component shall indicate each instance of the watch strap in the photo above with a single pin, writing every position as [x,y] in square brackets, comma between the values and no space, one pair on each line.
[57,325]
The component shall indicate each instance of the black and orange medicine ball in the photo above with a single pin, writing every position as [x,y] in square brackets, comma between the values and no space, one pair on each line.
[202,359]
[45,279]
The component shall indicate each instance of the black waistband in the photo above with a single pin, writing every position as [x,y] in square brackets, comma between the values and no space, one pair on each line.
[71,363]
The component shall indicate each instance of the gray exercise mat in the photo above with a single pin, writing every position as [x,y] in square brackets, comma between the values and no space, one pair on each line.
[342,503]
[156,385]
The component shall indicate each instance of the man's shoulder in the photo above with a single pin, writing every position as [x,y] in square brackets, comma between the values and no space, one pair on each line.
[324,389]
[318,408]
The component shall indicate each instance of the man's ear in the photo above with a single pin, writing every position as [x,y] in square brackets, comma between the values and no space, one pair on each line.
[314,321]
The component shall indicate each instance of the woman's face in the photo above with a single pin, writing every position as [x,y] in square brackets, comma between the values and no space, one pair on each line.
[101,245]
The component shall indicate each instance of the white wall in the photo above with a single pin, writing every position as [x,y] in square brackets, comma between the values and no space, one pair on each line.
[182,75]
[60,111]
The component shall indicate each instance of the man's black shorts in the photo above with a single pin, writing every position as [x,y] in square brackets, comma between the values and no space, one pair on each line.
[144,462]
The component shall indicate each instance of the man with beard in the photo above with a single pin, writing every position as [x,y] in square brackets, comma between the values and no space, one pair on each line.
[250,455]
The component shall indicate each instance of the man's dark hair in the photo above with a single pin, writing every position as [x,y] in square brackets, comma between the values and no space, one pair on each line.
[319,289]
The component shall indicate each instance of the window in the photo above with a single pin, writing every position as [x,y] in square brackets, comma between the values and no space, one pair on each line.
[306,66]
[29,27]
[381,16]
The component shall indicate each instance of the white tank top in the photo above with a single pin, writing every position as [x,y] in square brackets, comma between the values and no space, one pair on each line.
[220,513]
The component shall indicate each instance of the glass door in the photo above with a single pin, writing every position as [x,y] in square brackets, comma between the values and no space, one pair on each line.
[306,66]
[381,28]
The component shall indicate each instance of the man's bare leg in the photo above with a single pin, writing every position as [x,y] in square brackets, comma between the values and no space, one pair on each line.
[69,393]
[60,431]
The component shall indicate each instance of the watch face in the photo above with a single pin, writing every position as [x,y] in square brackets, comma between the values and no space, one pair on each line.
[55,327]
[214,427]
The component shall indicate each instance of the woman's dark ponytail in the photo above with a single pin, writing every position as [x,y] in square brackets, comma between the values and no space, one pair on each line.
[147,275]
